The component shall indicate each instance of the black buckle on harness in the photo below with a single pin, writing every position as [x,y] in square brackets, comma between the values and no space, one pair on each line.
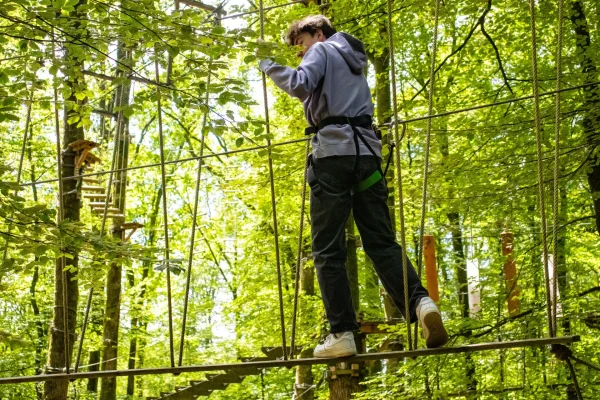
[363,121]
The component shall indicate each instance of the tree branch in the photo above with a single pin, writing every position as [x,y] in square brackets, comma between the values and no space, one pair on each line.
[458,49]
[489,38]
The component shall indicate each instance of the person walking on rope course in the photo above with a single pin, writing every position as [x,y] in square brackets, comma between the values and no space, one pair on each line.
[345,175]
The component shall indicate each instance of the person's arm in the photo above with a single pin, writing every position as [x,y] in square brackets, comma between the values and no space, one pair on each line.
[302,81]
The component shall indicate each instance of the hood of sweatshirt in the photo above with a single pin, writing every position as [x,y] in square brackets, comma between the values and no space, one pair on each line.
[351,49]
[330,82]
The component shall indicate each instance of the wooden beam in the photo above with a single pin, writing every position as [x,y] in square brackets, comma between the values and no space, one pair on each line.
[510,273]
[469,348]
[431,268]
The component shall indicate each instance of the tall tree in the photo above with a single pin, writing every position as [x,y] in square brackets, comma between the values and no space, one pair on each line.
[66,283]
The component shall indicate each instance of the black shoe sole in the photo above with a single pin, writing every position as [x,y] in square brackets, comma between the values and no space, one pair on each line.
[437,333]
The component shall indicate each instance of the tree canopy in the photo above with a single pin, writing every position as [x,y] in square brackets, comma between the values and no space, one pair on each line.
[140,78]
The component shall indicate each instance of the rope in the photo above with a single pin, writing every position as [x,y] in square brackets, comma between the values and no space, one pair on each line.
[586,363]
[399,173]
[299,255]
[115,157]
[538,139]
[194,225]
[272,182]
[22,157]
[557,126]
[288,142]
[86,318]
[427,150]
[574,376]
[165,213]
[60,216]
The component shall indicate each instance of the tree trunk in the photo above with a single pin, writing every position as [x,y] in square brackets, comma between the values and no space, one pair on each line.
[137,326]
[57,353]
[94,363]
[343,386]
[591,99]
[41,336]
[110,339]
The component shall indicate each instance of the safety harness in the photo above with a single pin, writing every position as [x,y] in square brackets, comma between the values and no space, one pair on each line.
[362,121]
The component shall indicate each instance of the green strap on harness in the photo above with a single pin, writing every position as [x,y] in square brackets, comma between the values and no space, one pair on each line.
[370,181]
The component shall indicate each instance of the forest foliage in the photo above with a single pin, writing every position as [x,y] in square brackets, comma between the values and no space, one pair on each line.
[66,64]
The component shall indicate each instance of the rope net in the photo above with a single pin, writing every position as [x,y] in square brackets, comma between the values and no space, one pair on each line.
[550,284]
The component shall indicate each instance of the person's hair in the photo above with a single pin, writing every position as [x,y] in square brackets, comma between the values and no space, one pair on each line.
[310,25]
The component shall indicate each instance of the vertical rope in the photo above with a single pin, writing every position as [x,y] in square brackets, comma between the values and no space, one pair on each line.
[538,139]
[397,161]
[557,127]
[574,379]
[165,211]
[299,254]
[272,182]
[427,147]
[20,168]
[60,215]
[194,225]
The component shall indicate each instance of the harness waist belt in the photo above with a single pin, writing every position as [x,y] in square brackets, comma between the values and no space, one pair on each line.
[363,121]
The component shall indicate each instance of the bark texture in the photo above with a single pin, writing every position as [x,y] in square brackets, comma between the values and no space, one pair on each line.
[58,355]
[591,100]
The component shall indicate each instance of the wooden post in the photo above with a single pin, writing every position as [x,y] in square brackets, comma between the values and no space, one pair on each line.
[430,267]
[510,273]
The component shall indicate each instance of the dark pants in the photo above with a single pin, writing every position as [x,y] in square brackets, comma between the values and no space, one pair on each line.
[331,180]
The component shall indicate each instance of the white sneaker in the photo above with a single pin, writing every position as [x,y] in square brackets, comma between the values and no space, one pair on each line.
[337,345]
[431,321]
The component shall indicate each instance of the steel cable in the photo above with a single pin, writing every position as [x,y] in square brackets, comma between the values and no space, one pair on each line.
[288,142]
[557,128]
[272,182]
[397,161]
[427,150]
[165,211]
[299,254]
[194,225]
[538,139]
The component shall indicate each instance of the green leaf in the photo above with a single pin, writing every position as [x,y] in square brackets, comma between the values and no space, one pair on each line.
[128,111]
[173,51]
[239,141]
[10,117]
[219,30]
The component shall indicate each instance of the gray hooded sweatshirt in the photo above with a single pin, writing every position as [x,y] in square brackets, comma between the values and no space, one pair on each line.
[339,63]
